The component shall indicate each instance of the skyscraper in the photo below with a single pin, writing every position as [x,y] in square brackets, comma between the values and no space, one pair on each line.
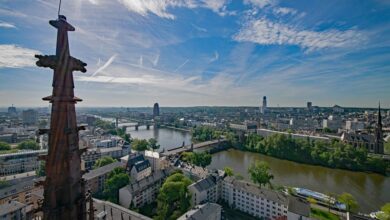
[379,145]
[156,110]
[263,108]
[309,105]
[64,188]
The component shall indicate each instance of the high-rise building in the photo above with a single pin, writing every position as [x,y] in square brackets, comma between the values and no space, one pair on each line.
[309,105]
[30,117]
[379,145]
[263,108]
[156,110]
[12,111]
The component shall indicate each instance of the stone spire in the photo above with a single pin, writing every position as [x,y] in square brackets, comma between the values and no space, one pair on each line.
[64,193]
[379,145]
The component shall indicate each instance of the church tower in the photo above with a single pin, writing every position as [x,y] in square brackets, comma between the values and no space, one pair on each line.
[64,188]
[379,145]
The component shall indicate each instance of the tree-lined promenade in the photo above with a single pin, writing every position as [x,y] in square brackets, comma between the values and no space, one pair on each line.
[334,154]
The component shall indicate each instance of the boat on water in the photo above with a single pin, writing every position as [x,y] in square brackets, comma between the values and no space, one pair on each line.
[323,199]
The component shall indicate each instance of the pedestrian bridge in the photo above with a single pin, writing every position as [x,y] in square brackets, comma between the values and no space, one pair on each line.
[191,147]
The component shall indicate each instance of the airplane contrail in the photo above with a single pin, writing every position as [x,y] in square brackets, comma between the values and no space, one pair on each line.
[109,61]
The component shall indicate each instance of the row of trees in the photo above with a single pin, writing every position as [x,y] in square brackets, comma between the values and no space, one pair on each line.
[25,145]
[205,133]
[121,133]
[334,154]
[201,159]
[142,144]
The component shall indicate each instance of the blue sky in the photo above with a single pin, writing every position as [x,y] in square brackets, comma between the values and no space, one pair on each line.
[199,52]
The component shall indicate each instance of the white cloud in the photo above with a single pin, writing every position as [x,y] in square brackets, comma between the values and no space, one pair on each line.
[13,56]
[181,65]
[284,11]
[215,58]
[266,32]
[108,63]
[160,7]
[155,61]
[260,3]
[6,25]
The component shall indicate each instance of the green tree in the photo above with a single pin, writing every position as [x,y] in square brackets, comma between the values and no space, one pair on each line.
[228,171]
[174,198]
[4,184]
[153,144]
[104,124]
[113,184]
[28,145]
[202,159]
[259,173]
[41,171]
[385,215]
[103,162]
[140,144]
[4,146]
[349,201]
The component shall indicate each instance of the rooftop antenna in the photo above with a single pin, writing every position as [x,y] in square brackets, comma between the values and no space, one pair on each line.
[59,8]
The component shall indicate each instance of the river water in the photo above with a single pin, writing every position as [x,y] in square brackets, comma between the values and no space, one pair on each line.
[166,138]
[370,190]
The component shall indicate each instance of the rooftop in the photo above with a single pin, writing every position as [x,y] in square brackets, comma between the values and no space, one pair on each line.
[110,211]
[10,207]
[101,170]
[204,184]
[254,189]
[142,165]
[201,212]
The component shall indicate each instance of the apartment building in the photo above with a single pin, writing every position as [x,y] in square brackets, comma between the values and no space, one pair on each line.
[139,193]
[20,162]
[209,211]
[262,203]
[95,178]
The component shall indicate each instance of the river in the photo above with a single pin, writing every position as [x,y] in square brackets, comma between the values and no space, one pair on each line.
[370,190]
[167,138]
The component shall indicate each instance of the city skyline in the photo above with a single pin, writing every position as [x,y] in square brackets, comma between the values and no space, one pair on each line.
[199,53]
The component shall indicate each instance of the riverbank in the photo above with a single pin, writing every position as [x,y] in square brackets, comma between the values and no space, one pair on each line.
[175,128]
[335,154]
[370,190]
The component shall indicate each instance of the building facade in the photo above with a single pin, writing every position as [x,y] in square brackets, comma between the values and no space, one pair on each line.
[20,162]
[30,117]
[262,203]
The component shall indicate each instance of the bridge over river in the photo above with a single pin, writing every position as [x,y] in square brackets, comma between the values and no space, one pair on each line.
[191,147]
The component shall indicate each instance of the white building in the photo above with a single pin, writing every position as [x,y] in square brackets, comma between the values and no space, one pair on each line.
[354,125]
[92,155]
[208,211]
[140,170]
[262,203]
[205,190]
[333,123]
[157,162]
[107,143]
[20,162]
[139,193]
